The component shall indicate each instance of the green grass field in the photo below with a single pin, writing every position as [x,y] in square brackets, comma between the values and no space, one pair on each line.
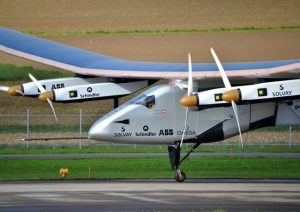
[109,148]
[170,31]
[10,72]
[149,168]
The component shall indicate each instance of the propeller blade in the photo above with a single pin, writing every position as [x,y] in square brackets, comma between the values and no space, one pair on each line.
[237,121]
[185,125]
[42,90]
[20,92]
[190,79]
[51,105]
[228,86]
[37,83]
[189,100]
[221,69]
[4,88]
[189,93]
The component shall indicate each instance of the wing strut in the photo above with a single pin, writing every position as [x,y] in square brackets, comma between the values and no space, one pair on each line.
[116,103]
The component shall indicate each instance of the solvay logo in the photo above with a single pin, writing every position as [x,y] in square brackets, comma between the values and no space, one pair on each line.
[282,92]
[281,87]
[89,89]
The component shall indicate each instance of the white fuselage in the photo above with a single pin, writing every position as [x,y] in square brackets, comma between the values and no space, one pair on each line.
[156,117]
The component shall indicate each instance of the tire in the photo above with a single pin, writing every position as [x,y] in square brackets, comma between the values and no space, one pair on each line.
[180,177]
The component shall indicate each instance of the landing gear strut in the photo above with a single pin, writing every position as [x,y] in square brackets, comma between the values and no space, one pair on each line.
[174,155]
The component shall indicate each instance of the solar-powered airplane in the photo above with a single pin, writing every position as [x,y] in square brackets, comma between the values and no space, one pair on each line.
[195,107]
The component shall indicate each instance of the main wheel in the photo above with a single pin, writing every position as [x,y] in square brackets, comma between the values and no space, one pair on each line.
[180,176]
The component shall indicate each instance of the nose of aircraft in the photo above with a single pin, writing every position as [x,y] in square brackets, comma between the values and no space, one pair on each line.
[99,131]
[104,128]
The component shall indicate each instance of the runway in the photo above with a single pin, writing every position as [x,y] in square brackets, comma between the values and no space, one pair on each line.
[159,195]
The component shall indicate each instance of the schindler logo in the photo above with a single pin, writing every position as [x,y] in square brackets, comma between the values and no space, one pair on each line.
[89,89]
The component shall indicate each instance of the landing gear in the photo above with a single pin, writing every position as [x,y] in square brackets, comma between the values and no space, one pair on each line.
[180,176]
[174,155]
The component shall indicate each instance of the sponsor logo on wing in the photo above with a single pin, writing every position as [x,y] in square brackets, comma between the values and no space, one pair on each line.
[282,92]
[89,94]
[57,86]
[93,95]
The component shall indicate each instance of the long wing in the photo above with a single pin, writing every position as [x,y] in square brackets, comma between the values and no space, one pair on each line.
[88,63]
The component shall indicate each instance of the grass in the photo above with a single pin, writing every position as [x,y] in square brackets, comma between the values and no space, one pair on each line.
[108,148]
[170,31]
[11,72]
[126,168]
[40,128]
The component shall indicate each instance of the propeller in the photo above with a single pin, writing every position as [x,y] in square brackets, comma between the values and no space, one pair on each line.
[13,91]
[43,90]
[228,86]
[20,92]
[189,95]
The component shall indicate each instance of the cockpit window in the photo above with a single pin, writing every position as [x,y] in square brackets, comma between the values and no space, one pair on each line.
[148,101]
[144,99]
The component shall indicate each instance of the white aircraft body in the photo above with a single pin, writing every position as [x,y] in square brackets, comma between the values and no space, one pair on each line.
[193,108]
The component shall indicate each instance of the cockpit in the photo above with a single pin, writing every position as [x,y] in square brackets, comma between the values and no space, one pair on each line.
[147,101]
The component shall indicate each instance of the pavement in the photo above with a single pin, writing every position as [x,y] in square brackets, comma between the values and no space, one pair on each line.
[150,195]
[142,155]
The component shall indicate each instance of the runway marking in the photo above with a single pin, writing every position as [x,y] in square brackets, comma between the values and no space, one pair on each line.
[140,198]
[65,197]
[42,195]
[291,197]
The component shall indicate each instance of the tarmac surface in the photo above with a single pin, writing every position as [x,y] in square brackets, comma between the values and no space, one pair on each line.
[150,195]
[143,155]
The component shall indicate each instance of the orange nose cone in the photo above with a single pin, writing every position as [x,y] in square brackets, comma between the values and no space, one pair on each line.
[13,91]
[232,95]
[189,101]
[46,95]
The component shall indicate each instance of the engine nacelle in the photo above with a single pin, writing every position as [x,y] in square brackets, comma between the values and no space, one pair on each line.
[88,92]
[279,90]
[30,88]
